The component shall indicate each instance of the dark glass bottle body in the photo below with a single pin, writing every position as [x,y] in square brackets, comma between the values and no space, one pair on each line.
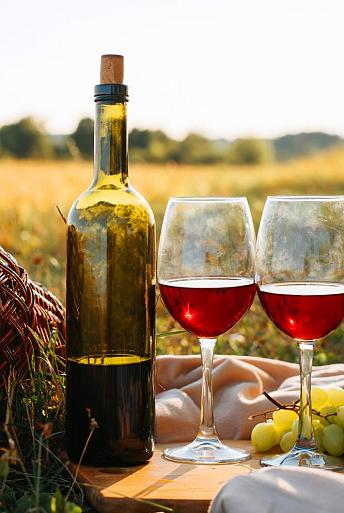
[110,308]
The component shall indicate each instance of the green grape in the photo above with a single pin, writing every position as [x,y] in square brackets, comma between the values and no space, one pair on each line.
[287,441]
[339,419]
[317,425]
[335,396]
[318,436]
[319,397]
[283,419]
[279,429]
[333,439]
[280,434]
[327,410]
[264,436]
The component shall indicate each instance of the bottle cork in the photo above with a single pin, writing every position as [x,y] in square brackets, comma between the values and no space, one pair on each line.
[111,69]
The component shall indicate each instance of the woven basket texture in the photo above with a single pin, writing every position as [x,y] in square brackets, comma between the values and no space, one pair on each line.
[24,306]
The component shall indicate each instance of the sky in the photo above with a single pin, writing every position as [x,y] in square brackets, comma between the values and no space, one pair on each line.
[224,68]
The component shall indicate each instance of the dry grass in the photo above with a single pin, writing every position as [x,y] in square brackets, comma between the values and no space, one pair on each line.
[33,231]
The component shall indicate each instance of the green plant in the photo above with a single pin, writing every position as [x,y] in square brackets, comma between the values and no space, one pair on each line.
[250,151]
[33,477]
[25,139]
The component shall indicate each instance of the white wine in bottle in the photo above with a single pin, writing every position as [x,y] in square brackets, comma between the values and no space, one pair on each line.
[110,298]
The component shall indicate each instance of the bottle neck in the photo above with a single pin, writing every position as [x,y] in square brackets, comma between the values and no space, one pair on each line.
[110,145]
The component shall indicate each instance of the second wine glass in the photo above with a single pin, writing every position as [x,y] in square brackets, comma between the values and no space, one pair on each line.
[300,277]
[206,278]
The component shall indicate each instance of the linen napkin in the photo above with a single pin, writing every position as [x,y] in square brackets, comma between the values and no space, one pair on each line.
[238,384]
[282,490]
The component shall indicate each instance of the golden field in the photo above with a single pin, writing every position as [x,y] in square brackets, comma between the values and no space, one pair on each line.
[33,231]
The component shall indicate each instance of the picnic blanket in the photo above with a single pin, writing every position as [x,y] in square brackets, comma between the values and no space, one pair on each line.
[238,384]
[282,490]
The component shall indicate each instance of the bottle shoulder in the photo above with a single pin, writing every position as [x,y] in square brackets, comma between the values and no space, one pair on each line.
[110,203]
[141,201]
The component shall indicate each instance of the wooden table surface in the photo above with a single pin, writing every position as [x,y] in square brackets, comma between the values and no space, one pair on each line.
[183,487]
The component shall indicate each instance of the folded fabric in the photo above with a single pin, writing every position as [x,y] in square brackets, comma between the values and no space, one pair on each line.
[282,490]
[238,384]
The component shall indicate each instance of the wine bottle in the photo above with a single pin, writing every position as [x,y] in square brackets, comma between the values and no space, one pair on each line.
[110,299]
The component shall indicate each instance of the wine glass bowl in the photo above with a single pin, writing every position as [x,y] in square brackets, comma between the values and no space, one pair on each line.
[300,279]
[207,307]
[206,279]
[304,311]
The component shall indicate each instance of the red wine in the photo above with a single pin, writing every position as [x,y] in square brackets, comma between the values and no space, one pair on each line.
[208,307]
[304,311]
[118,393]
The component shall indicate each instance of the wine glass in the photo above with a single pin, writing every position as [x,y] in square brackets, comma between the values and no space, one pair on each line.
[300,278]
[206,278]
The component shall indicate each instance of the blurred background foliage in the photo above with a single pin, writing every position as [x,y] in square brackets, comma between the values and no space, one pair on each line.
[28,139]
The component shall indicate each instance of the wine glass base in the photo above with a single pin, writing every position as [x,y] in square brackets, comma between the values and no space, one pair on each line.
[206,452]
[304,458]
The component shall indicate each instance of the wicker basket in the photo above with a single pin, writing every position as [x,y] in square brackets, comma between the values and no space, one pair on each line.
[25,306]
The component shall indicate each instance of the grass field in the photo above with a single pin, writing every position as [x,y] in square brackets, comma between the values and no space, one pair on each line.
[33,231]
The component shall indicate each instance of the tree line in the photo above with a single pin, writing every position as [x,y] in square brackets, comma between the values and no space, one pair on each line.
[28,139]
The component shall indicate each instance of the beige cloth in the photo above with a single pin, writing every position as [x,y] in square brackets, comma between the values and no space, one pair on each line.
[238,384]
[282,490]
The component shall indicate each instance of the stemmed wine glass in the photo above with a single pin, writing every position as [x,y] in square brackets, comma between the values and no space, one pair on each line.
[300,278]
[206,278]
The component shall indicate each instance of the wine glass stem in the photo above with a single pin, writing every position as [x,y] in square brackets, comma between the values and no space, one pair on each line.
[207,425]
[305,438]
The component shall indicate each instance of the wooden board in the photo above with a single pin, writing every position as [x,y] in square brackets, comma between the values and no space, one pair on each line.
[183,487]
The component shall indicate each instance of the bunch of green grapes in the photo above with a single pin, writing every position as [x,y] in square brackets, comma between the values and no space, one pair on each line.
[328,428]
